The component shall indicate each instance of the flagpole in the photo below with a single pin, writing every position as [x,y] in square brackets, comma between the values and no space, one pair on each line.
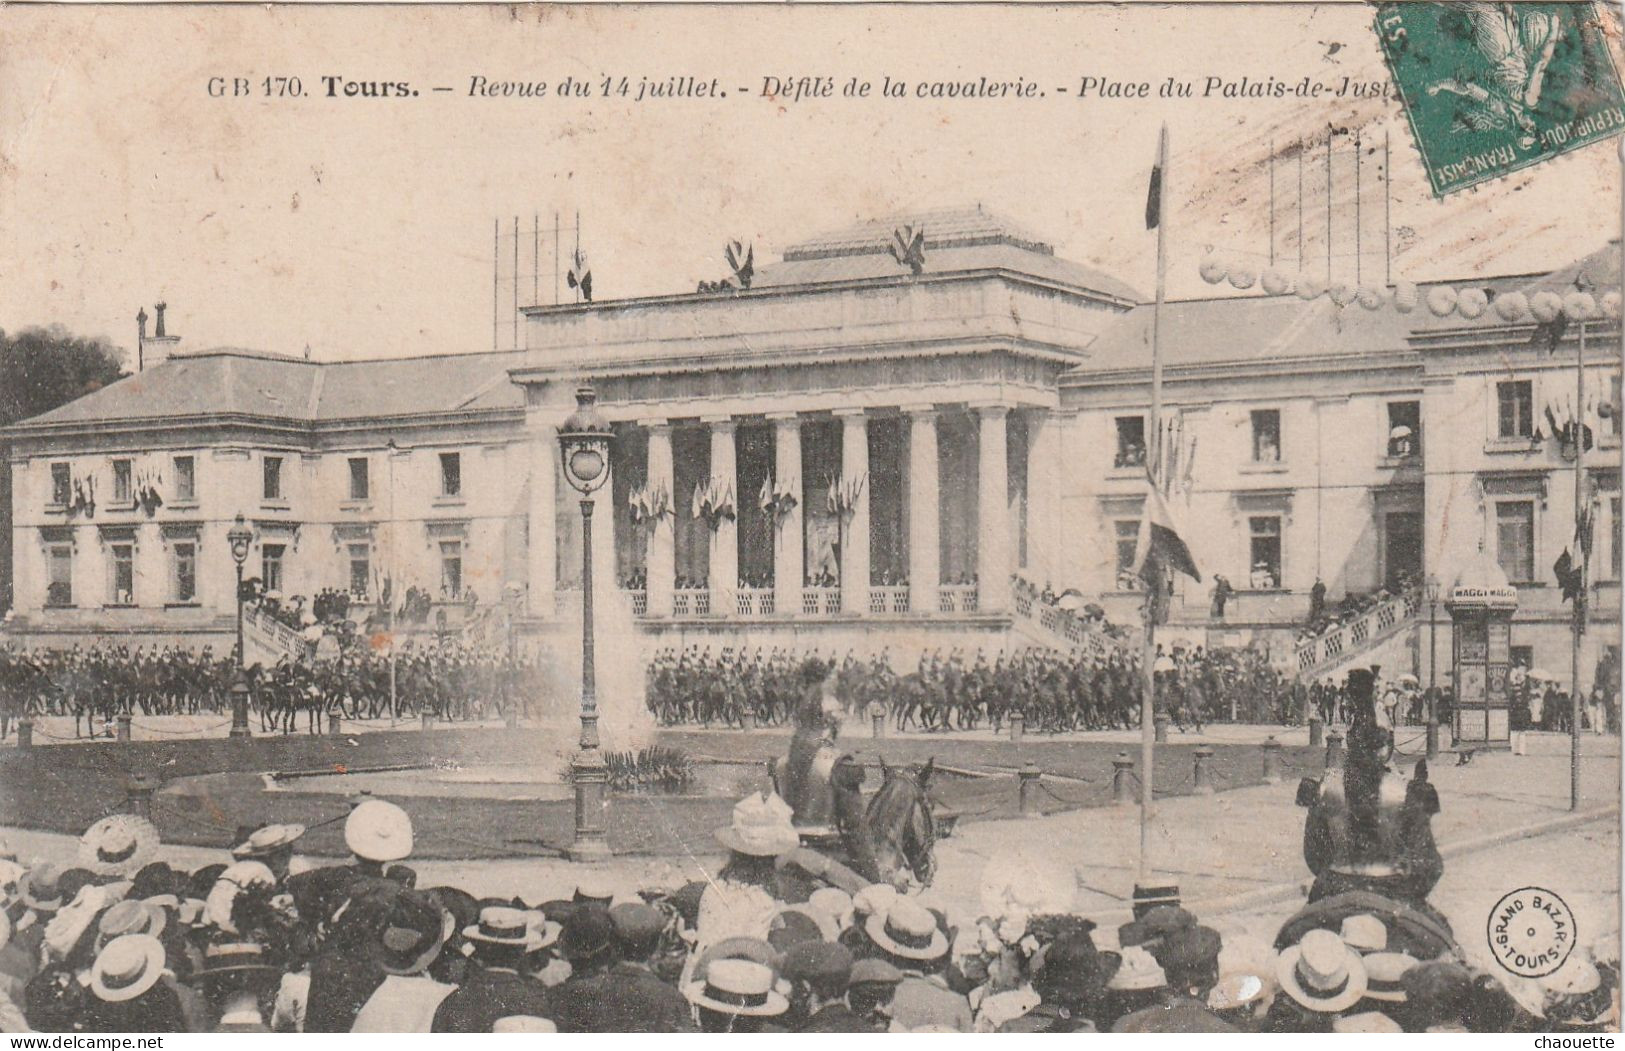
[1580,597]
[1148,658]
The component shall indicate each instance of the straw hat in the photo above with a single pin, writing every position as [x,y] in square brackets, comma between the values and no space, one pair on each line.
[761,827]
[267,839]
[1138,972]
[1366,1022]
[738,987]
[130,917]
[541,931]
[1383,971]
[244,957]
[500,926]
[232,882]
[377,830]
[1364,933]
[877,897]
[1321,973]
[835,903]
[118,845]
[41,888]
[907,929]
[127,967]
[523,1024]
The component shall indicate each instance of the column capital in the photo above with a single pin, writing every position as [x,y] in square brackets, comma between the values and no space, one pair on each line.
[919,409]
[989,409]
[783,417]
[655,423]
[719,421]
[850,412]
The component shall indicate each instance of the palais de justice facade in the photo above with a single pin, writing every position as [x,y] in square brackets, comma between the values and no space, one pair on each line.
[846,454]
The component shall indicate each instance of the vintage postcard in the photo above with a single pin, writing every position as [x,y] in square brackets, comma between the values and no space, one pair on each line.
[840,518]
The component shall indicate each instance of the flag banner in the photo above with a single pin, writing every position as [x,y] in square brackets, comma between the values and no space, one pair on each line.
[1153,197]
[1161,548]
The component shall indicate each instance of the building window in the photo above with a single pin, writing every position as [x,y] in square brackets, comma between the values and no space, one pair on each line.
[271,566]
[1130,442]
[359,488]
[1515,539]
[273,478]
[451,474]
[59,575]
[1515,409]
[61,484]
[1265,532]
[1614,539]
[1266,436]
[121,482]
[360,570]
[451,568]
[1128,538]
[185,571]
[185,479]
[122,585]
[1404,429]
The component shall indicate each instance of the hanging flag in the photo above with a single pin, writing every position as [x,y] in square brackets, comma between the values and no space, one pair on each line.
[1160,548]
[1153,197]
[1570,577]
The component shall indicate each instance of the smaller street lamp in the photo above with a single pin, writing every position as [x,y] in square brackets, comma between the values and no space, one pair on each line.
[1432,589]
[239,537]
[584,440]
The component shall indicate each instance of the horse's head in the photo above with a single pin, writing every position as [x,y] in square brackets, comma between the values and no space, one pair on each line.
[901,821]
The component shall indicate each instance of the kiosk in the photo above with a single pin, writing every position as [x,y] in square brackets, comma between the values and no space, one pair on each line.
[1481,605]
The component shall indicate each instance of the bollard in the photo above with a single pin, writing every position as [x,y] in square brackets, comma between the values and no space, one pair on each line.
[25,733]
[747,720]
[1029,775]
[138,796]
[1317,731]
[123,727]
[239,708]
[428,721]
[1202,775]
[1272,760]
[1161,724]
[877,721]
[1334,748]
[1018,726]
[333,723]
[1122,773]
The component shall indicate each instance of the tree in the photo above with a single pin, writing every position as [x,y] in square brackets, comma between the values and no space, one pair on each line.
[40,369]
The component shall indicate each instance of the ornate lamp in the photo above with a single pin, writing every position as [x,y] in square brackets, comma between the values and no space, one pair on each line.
[239,537]
[584,442]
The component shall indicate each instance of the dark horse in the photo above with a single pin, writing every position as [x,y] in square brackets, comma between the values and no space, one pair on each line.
[893,832]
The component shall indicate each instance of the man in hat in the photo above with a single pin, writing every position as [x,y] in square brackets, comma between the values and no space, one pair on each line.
[818,973]
[128,993]
[238,981]
[1189,958]
[1367,828]
[741,901]
[813,754]
[377,833]
[906,935]
[1070,983]
[871,991]
[498,985]
[1320,978]
[737,996]
[627,997]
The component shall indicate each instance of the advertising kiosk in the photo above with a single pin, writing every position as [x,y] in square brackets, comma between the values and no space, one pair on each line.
[1481,605]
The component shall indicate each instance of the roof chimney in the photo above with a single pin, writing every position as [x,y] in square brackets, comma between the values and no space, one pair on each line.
[158,347]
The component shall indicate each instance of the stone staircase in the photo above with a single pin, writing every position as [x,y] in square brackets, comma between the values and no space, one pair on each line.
[1046,625]
[267,640]
[1383,634]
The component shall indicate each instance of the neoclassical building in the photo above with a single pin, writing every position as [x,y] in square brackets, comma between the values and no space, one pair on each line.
[847,454]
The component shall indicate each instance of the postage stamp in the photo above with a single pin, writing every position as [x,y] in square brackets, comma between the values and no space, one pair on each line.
[1491,88]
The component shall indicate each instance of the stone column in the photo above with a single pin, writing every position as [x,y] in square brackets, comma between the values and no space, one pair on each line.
[855,529]
[661,561]
[993,562]
[789,547]
[924,510]
[542,555]
[1043,498]
[724,570]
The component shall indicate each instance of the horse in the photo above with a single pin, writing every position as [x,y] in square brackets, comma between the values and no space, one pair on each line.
[900,829]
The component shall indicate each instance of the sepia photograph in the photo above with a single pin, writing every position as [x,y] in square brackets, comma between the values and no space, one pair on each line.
[818,518]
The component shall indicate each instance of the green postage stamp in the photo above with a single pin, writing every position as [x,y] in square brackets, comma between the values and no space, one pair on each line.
[1490,88]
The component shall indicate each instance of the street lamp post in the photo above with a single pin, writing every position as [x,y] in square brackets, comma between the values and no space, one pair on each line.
[240,537]
[584,440]
[1432,586]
